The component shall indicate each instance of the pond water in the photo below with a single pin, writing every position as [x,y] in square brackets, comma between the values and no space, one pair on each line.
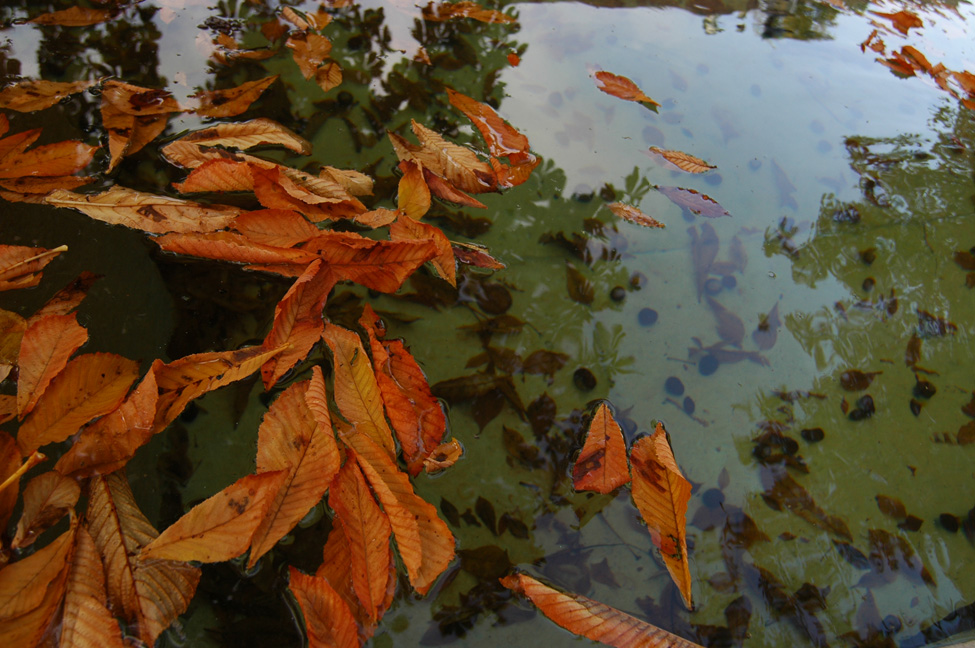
[850,190]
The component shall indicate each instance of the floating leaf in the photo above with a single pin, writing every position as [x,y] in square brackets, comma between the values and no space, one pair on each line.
[47,160]
[232,101]
[463,9]
[592,619]
[683,161]
[74,17]
[902,21]
[136,100]
[86,621]
[45,348]
[404,228]
[220,527]
[621,87]
[29,96]
[129,133]
[329,76]
[661,494]
[856,380]
[149,595]
[227,246]
[309,51]
[328,620]
[693,201]
[20,266]
[457,164]
[502,139]
[634,215]
[413,197]
[47,498]
[248,134]
[275,227]
[379,265]
[147,212]
[601,466]
[90,385]
[443,456]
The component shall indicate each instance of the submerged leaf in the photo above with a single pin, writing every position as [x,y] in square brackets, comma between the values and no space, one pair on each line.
[694,201]
[20,266]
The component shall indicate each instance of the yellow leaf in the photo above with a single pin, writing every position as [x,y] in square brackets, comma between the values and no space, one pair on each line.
[329,76]
[593,619]
[661,494]
[460,166]
[220,527]
[414,194]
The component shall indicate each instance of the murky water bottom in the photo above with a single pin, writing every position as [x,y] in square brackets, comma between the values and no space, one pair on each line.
[850,190]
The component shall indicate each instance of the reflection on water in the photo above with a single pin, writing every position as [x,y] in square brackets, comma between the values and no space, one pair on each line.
[810,355]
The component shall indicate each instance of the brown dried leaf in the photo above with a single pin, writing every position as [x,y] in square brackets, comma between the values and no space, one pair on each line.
[45,348]
[683,161]
[309,51]
[634,215]
[47,498]
[20,266]
[29,96]
[231,101]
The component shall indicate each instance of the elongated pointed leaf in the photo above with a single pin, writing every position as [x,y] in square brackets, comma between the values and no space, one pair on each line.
[90,385]
[47,498]
[621,87]
[592,619]
[683,161]
[227,246]
[248,134]
[49,160]
[328,621]
[413,197]
[275,227]
[86,621]
[107,444]
[29,96]
[356,390]
[425,543]
[149,595]
[405,228]
[379,265]
[146,212]
[661,494]
[220,527]
[293,439]
[413,410]
[601,466]
[45,348]
[232,101]
[460,166]
[20,267]
[501,138]
[136,100]
[129,133]
[367,530]
[634,215]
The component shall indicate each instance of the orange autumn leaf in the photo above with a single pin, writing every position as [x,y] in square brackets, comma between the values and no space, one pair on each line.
[425,543]
[47,498]
[621,87]
[405,228]
[475,255]
[413,197]
[446,191]
[147,212]
[33,189]
[68,298]
[356,389]
[275,227]
[248,134]
[127,133]
[220,527]
[231,101]
[309,51]
[414,412]
[514,175]
[227,246]
[443,456]
[148,595]
[902,21]
[601,466]
[456,164]
[188,378]
[329,76]
[378,265]
[10,472]
[47,160]
[218,175]
[86,621]
[367,531]
[328,621]
[107,444]
[90,385]
[634,215]
[137,100]
[29,96]
[352,181]
[45,348]
[592,619]
[501,138]
[683,161]
[293,439]
[12,328]
[74,17]
[8,404]
[379,217]
[20,266]
[661,494]
[464,9]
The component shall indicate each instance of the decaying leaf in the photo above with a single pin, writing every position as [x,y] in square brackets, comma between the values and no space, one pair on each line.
[601,466]
[592,619]
[902,20]
[661,494]
[634,215]
[248,134]
[621,87]
[856,380]
[86,621]
[683,161]
[443,456]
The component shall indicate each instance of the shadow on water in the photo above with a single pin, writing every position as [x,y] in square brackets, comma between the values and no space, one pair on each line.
[811,355]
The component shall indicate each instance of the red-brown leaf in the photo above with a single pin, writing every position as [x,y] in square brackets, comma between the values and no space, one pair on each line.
[275,227]
[74,17]
[502,139]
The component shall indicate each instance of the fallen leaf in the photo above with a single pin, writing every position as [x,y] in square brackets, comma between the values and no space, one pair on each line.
[601,466]
[129,133]
[413,197]
[683,161]
[90,385]
[443,456]
[621,87]
[275,227]
[404,228]
[147,212]
[20,266]
[463,9]
[294,439]
[136,100]
[456,164]
[86,621]
[220,527]
[856,380]
[475,255]
[47,160]
[378,265]
[329,76]
[502,139]
[30,96]
[10,473]
[661,494]
[231,101]
[328,620]
[47,498]
[591,619]
[74,17]
[45,348]
[367,530]
[148,595]
[634,215]
[902,21]
[309,51]
[227,246]
[693,201]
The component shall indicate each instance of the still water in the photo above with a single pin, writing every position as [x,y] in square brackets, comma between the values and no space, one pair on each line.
[849,188]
